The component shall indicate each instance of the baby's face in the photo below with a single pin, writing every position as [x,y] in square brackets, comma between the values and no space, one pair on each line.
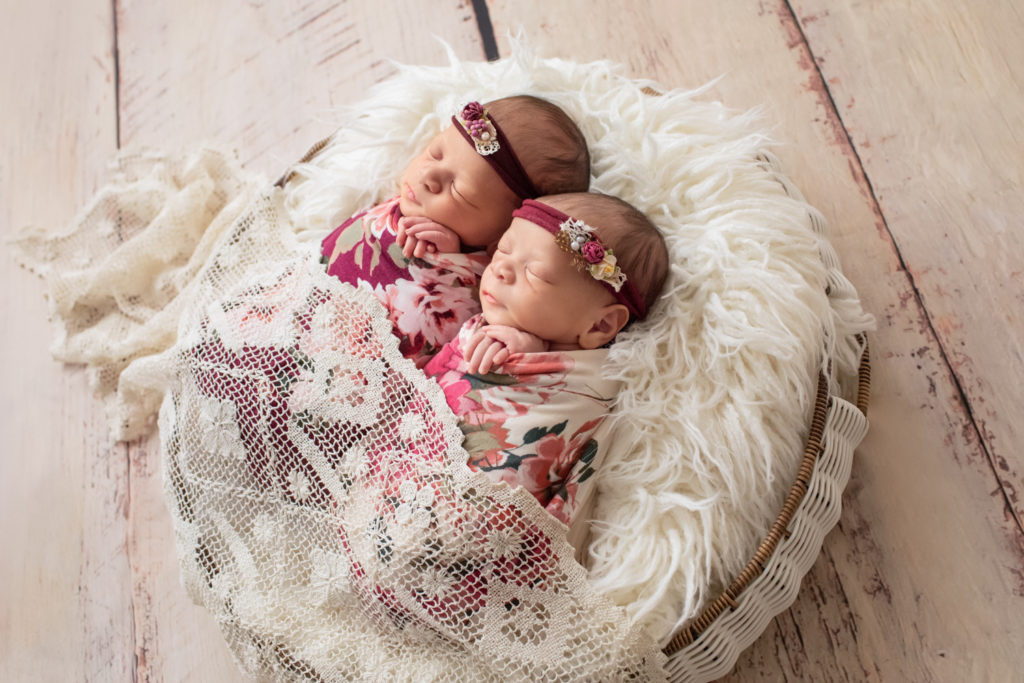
[532,285]
[451,184]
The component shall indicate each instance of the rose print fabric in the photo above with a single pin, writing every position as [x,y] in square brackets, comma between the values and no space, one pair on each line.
[532,424]
[427,299]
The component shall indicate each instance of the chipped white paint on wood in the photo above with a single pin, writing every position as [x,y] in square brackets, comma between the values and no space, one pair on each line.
[264,77]
[64,577]
[949,183]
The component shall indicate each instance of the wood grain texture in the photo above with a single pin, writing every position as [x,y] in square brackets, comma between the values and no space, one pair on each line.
[900,121]
[264,77]
[903,573]
[64,583]
[949,184]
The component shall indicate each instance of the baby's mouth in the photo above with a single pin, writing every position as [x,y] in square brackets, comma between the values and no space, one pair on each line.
[409,194]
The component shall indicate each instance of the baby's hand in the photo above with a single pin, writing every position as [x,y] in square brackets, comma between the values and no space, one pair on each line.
[491,345]
[418,235]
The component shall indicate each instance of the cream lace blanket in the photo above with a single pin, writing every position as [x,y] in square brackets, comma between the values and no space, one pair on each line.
[122,276]
[322,507]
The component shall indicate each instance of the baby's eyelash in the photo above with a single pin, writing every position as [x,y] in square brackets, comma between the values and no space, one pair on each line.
[536,275]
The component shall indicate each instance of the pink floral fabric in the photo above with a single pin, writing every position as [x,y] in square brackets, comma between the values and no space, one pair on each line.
[532,423]
[427,299]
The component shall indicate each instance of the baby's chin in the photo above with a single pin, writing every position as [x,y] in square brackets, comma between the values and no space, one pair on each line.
[409,208]
[492,314]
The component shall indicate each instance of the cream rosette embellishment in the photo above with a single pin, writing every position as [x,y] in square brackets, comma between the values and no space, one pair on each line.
[477,123]
[578,238]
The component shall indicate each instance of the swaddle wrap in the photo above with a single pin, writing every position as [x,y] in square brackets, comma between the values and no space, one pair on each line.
[427,299]
[531,422]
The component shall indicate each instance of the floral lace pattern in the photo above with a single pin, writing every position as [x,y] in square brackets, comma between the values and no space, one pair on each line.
[325,515]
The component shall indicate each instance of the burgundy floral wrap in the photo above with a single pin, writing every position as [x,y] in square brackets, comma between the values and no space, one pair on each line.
[427,299]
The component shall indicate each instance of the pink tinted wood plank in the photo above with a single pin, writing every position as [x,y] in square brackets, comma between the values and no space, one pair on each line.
[176,640]
[880,603]
[936,119]
[64,587]
[264,77]
[260,78]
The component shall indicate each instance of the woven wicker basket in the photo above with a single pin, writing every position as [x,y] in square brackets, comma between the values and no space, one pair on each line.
[708,647]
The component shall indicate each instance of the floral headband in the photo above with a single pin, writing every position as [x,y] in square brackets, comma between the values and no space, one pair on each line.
[482,131]
[590,255]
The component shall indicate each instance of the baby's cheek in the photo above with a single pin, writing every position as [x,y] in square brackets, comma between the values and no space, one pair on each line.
[485,236]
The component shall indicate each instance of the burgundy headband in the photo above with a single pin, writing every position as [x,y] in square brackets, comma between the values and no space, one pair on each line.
[578,238]
[482,131]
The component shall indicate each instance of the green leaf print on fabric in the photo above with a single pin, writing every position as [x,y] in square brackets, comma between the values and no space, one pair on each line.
[538,433]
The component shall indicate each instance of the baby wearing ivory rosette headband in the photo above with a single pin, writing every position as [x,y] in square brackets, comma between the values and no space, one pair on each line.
[568,275]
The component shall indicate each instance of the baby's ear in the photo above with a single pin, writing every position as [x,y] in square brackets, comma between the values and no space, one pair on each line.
[611,319]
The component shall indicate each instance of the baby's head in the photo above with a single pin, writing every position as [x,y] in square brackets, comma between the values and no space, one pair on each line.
[476,172]
[555,279]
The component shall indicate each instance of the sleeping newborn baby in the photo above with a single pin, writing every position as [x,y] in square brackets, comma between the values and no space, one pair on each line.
[524,377]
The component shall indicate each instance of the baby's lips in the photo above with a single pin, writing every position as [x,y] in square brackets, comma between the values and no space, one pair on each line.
[410,195]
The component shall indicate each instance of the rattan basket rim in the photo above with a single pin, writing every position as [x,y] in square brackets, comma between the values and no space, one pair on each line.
[727,599]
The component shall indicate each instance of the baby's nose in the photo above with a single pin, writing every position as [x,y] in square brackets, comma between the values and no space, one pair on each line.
[434,177]
[502,271]
[430,181]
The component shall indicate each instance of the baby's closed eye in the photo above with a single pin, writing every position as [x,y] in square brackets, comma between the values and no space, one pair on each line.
[538,274]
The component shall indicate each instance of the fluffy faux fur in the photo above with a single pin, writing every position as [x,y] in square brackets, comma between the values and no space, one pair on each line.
[720,378]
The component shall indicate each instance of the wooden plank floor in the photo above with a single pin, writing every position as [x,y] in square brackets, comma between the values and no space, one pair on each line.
[901,121]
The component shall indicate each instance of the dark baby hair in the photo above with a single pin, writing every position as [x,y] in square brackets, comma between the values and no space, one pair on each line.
[549,144]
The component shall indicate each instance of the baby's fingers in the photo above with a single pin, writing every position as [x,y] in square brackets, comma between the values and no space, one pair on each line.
[517,341]
[408,245]
[422,247]
[482,357]
[475,356]
[441,237]
[471,344]
[500,357]
[417,225]
[492,353]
